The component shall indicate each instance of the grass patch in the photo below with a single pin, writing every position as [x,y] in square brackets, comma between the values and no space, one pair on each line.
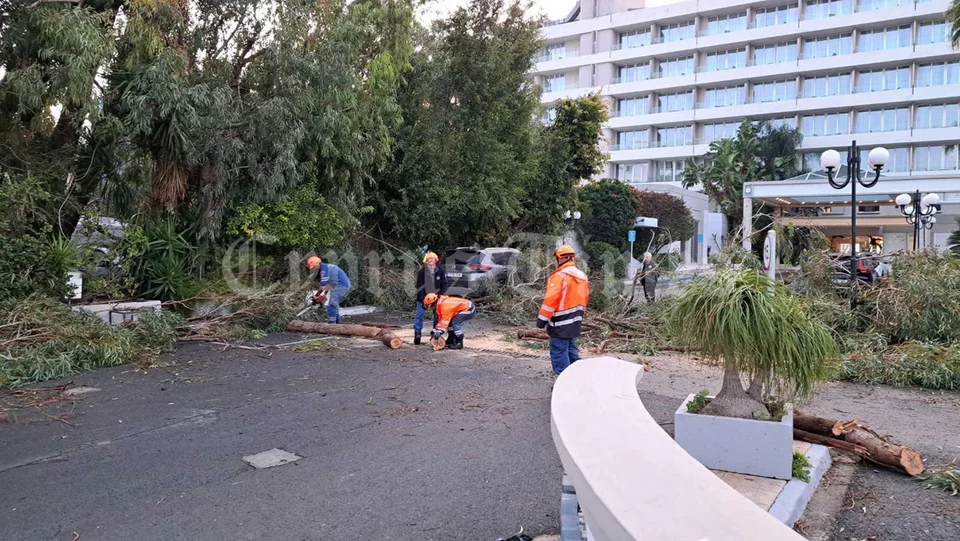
[801,467]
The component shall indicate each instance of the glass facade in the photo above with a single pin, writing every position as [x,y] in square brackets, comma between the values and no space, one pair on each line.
[680,101]
[555,83]
[775,53]
[789,13]
[775,91]
[724,60]
[633,106]
[936,158]
[675,136]
[674,67]
[725,96]
[678,31]
[938,116]
[883,79]
[881,120]
[633,172]
[722,24]
[636,38]
[885,38]
[827,85]
[819,9]
[828,124]
[632,140]
[872,5]
[715,132]
[668,171]
[938,73]
[634,73]
[933,32]
[827,46]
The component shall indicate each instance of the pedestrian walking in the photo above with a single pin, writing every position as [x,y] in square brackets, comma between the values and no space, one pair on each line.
[430,279]
[561,313]
[648,277]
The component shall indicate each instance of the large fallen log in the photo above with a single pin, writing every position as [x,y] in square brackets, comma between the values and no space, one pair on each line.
[388,338]
[538,334]
[843,434]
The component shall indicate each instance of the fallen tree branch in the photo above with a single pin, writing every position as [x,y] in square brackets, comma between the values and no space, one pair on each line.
[843,435]
[386,337]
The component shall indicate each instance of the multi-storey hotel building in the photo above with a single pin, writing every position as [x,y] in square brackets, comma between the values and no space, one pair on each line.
[680,74]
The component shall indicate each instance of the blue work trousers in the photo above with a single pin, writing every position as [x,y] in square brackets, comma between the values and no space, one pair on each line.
[563,353]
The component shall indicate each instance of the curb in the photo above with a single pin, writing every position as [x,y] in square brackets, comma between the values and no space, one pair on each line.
[796,494]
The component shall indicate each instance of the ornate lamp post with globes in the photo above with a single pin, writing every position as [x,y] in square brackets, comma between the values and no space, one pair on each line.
[830,161]
[919,212]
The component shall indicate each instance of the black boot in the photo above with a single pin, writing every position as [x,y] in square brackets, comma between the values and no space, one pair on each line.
[455,342]
[416,339]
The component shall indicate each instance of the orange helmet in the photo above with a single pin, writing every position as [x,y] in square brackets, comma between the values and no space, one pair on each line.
[430,255]
[564,250]
[430,299]
[313,262]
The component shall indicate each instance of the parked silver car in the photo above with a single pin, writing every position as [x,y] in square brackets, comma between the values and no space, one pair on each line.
[468,267]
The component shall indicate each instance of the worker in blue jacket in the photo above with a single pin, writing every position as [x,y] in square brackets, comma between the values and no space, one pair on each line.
[334,286]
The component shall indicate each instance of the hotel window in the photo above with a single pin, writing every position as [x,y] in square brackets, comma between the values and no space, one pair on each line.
[783,121]
[830,124]
[634,73]
[724,60]
[680,101]
[678,31]
[715,132]
[777,15]
[827,85]
[882,120]
[632,140]
[938,116]
[899,161]
[674,67]
[939,73]
[549,115]
[933,32]
[819,9]
[827,46]
[554,83]
[633,106]
[885,79]
[674,137]
[868,209]
[887,38]
[936,158]
[873,5]
[722,24]
[725,96]
[775,91]
[668,171]
[775,53]
[632,172]
[556,51]
[636,38]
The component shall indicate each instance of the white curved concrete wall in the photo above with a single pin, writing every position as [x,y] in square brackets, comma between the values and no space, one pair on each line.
[632,480]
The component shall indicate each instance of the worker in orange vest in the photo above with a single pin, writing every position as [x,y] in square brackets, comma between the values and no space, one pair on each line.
[568,291]
[452,313]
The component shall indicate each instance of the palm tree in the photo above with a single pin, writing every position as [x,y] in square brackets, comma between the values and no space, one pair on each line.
[953,18]
[953,241]
[754,327]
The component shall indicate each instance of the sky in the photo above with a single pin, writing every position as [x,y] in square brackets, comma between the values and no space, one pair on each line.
[554,9]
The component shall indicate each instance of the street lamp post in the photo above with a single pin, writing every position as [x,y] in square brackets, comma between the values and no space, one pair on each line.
[830,161]
[920,212]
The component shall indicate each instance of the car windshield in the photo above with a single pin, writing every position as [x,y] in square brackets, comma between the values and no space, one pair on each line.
[461,257]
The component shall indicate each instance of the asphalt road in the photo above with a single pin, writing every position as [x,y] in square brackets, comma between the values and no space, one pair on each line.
[405,445]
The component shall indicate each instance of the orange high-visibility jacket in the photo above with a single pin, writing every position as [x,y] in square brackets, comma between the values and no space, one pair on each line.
[448,307]
[568,291]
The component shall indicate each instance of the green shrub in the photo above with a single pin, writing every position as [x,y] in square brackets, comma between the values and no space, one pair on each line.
[911,364]
[801,467]
[603,258]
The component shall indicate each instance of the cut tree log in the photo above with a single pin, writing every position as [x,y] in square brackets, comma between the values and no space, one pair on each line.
[810,437]
[843,434]
[538,334]
[386,337]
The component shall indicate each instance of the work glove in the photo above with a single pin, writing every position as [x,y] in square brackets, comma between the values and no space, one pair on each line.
[541,324]
[437,333]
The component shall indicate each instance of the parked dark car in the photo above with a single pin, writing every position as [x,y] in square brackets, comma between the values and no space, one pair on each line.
[467,268]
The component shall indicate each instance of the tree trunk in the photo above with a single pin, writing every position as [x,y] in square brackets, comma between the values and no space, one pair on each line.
[842,434]
[733,401]
[532,333]
[388,338]
[756,387]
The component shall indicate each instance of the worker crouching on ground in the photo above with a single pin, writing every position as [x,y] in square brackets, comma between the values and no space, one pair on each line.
[451,313]
[334,286]
[430,279]
[568,291]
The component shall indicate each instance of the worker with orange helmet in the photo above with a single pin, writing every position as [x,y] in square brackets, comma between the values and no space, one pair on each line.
[564,302]
[452,312]
[334,286]
[430,279]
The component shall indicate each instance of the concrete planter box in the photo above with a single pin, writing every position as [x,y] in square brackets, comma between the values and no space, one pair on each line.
[761,448]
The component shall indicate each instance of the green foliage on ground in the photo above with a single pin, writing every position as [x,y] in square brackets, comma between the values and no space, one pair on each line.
[945,478]
[869,360]
[801,467]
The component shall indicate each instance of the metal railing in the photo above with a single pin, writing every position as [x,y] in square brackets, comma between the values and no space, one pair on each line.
[550,57]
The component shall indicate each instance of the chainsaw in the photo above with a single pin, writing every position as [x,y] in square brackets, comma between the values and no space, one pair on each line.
[315,299]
